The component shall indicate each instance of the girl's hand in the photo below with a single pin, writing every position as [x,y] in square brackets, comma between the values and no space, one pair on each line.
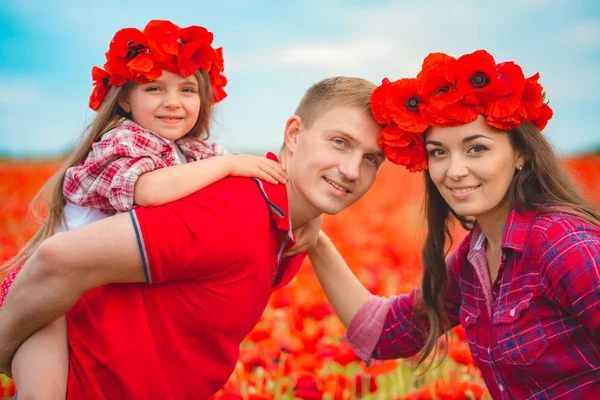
[306,236]
[256,167]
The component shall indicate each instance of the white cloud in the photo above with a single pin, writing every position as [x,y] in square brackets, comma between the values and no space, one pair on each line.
[17,94]
[583,35]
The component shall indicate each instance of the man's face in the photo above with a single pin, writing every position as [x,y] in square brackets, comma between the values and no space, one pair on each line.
[334,162]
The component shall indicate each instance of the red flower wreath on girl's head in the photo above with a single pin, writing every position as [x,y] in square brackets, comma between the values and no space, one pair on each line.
[453,92]
[136,56]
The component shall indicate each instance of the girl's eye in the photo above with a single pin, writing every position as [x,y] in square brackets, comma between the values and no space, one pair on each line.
[188,90]
[152,89]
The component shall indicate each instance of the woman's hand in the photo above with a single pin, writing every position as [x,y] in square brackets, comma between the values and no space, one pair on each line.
[306,236]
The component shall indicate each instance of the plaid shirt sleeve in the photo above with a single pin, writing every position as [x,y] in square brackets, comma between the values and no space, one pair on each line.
[106,179]
[570,260]
[397,327]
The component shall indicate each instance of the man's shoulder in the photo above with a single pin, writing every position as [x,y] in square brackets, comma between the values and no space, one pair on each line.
[236,196]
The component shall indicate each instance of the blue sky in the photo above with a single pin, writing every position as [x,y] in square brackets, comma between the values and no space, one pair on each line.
[274,50]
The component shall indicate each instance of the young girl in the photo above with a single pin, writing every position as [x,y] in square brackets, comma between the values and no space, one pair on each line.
[525,283]
[145,147]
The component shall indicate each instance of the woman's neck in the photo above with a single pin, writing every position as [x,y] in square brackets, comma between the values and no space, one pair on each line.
[492,224]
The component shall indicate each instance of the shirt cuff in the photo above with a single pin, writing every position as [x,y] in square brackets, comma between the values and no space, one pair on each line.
[366,326]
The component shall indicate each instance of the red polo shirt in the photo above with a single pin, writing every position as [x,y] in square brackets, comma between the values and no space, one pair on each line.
[213,259]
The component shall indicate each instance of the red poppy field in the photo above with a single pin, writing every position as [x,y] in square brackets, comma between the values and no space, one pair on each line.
[295,351]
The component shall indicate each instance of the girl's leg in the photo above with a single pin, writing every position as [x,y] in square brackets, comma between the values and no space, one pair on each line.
[41,365]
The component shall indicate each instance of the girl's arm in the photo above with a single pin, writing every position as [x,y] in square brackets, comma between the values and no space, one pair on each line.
[172,183]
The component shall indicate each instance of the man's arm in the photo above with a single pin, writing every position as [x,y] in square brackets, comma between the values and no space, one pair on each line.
[60,271]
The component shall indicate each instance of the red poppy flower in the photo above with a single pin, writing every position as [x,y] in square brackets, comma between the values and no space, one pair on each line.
[506,123]
[379,105]
[101,87]
[404,103]
[196,50]
[163,40]
[365,384]
[404,148]
[476,73]
[511,85]
[307,388]
[194,56]
[217,79]
[542,120]
[125,46]
[455,114]
[436,81]
[128,58]
[532,100]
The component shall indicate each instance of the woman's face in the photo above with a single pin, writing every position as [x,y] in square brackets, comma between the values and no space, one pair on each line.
[471,165]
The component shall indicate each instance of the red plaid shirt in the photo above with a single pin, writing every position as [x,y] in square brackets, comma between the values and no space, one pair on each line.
[106,178]
[534,333]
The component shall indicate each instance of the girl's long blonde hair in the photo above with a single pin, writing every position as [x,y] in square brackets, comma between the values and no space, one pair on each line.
[109,114]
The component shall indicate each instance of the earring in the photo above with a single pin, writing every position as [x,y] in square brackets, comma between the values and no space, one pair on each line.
[520,167]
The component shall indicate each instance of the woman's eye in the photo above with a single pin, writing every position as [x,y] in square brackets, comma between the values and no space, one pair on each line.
[477,149]
[436,152]
[338,141]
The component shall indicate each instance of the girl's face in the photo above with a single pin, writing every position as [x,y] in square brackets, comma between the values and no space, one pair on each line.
[167,107]
[472,166]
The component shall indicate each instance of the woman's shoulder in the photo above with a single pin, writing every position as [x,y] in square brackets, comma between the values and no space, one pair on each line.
[555,225]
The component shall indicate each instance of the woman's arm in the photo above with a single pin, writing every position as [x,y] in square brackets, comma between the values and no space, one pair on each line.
[343,289]
[172,183]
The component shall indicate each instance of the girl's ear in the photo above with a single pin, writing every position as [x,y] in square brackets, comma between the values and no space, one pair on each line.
[124,102]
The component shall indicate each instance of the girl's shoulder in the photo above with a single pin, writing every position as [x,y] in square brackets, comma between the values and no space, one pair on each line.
[128,137]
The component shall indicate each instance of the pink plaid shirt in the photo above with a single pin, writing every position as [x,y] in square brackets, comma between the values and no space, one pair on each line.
[534,332]
[106,178]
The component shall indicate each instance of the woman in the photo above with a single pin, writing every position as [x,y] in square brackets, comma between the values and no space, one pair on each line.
[525,283]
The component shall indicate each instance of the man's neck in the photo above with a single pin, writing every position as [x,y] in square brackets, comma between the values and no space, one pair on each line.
[300,212]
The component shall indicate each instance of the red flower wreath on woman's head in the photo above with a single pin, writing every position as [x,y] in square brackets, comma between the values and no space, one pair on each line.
[453,92]
[136,56]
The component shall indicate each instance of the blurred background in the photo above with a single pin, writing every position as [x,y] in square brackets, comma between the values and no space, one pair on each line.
[274,50]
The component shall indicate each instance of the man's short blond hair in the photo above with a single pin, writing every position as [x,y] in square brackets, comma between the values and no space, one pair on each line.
[336,91]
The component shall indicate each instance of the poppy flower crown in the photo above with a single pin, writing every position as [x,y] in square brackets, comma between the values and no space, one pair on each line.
[136,56]
[453,92]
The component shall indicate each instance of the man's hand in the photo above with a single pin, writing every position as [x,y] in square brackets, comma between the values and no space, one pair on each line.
[306,236]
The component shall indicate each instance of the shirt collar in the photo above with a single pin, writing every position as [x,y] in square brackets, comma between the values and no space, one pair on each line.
[276,197]
[516,231]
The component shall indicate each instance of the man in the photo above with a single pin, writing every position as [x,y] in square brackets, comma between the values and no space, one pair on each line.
[194,275]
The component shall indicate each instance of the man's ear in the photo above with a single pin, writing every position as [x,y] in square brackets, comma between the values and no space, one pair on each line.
[292,132]
[124,101]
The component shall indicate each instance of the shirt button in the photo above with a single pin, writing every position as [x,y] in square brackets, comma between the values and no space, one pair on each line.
[468,318]
[501,387]
[489,350]
[512,312]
